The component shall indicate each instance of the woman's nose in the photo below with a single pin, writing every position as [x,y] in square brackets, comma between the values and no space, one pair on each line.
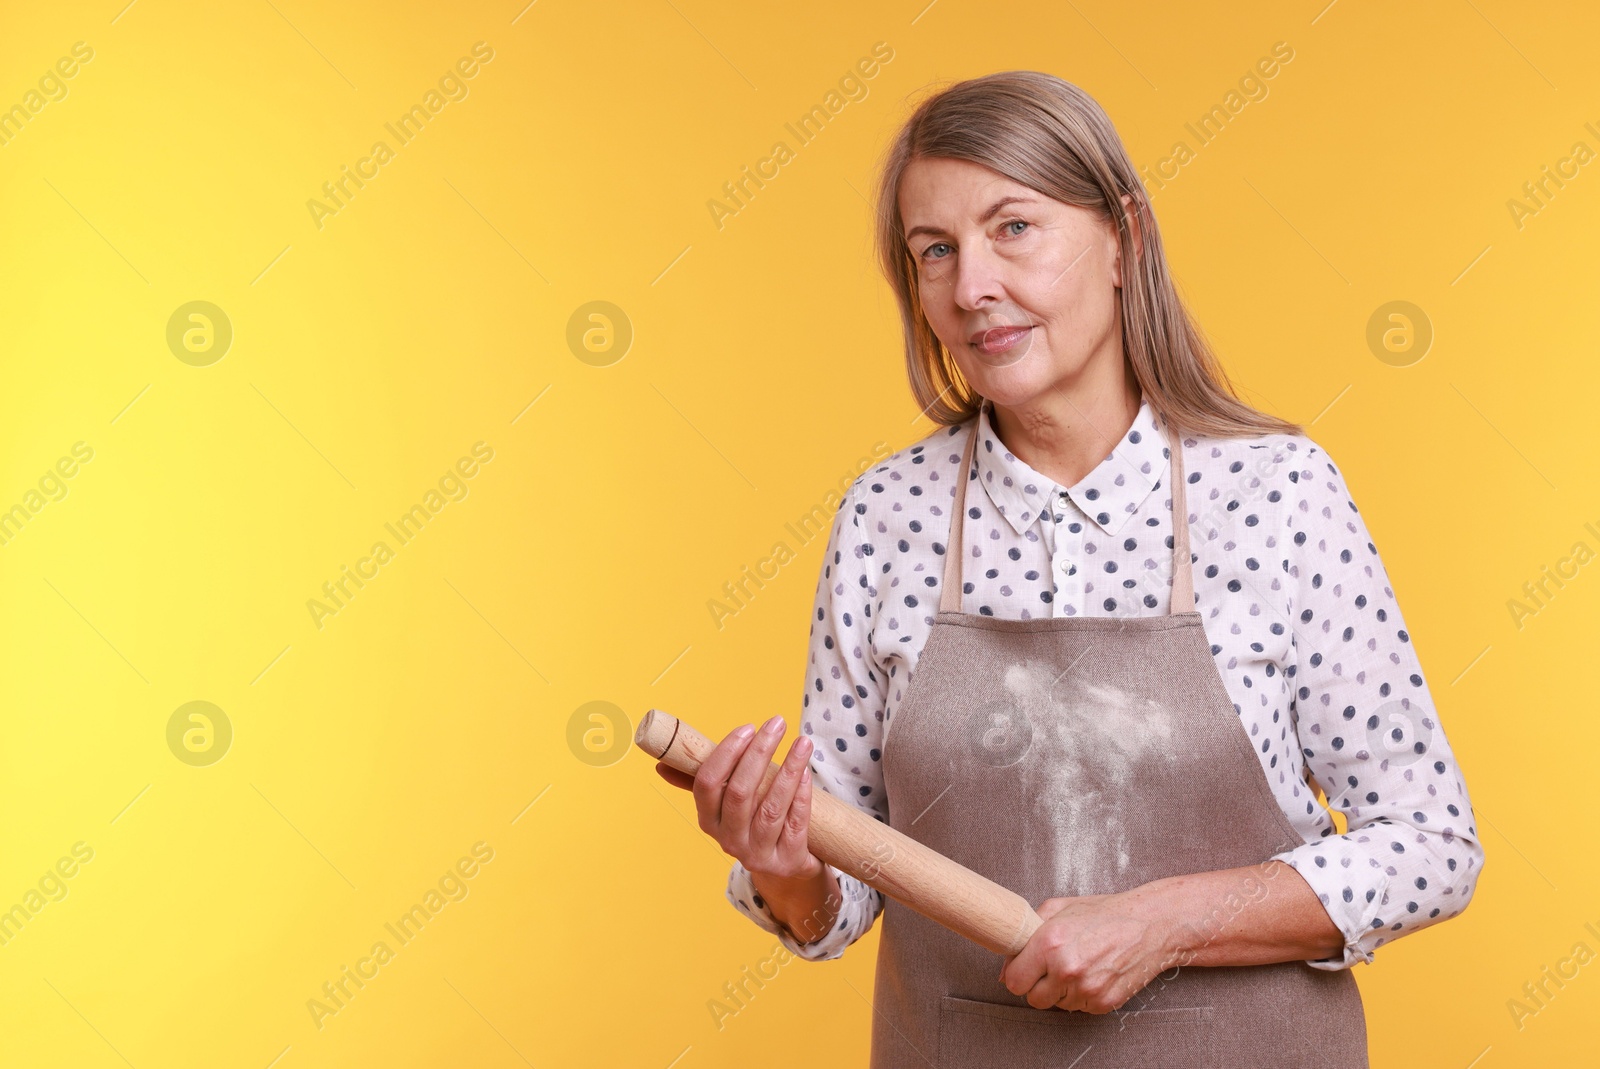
[979,278]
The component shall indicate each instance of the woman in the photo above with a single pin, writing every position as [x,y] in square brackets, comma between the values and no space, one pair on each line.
[1019,658]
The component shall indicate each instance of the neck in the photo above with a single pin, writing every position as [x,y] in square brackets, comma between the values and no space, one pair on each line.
[1065,433]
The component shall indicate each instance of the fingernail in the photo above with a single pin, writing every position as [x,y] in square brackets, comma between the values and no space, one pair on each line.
[772,725]
[744,732]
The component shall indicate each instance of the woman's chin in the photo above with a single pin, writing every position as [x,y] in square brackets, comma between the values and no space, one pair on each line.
[1019,379]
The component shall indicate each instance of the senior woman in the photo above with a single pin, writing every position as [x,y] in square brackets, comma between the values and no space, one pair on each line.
[1107,637]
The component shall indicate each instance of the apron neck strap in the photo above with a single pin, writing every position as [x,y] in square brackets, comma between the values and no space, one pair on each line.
[1182,571]
[950,586]
[1182,577]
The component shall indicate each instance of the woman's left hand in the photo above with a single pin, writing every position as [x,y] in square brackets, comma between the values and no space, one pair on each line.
[1092,953]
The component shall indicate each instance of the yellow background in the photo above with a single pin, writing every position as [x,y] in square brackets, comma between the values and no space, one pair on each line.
[432,711]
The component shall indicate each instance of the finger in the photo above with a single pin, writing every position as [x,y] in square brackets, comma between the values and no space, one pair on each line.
[1054,984]
[797,834]
[712,778]
[1072,1001]
[720,762]
[1025,970]
[1051,906]
[674,776]
[740,797]
[773,814]
[1052,990]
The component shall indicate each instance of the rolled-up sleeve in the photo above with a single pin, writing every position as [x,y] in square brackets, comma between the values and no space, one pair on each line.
[842,712]
[1369,732]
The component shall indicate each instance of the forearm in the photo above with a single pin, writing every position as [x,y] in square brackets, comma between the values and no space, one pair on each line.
[807,908]
[1254,915]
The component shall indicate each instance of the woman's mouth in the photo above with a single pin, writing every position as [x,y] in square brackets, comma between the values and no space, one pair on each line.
[997,340]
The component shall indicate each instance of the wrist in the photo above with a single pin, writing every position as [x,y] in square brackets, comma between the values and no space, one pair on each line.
[810,875]
[1161,905]
[804,907]
[776,886]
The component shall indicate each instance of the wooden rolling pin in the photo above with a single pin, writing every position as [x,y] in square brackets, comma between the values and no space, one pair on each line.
[852,841]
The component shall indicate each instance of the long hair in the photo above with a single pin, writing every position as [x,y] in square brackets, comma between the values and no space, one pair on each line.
[1051,136]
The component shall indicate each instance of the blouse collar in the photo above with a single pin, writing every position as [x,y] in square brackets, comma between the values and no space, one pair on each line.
[1111,492]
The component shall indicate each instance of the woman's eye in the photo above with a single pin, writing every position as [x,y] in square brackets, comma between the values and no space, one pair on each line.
[1017,222]
[926,253]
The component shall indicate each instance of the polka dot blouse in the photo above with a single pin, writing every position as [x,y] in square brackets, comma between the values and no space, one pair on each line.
[1305,629]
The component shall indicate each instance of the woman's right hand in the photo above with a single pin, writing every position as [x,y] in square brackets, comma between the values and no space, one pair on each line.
[765,833]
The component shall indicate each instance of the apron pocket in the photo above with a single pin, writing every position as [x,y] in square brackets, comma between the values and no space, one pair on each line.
[975,1034]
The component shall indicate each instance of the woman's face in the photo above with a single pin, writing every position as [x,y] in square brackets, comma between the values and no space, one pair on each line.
[1019,287]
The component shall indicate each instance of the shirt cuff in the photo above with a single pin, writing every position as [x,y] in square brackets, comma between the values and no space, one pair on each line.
[857,912]
[1351,886]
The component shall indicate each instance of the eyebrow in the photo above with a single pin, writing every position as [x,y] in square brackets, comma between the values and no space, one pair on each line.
[988,214]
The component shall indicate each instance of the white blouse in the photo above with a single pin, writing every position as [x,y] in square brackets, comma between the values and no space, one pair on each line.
[1306,632]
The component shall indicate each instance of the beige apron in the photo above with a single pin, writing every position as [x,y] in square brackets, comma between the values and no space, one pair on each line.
[1077,755]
